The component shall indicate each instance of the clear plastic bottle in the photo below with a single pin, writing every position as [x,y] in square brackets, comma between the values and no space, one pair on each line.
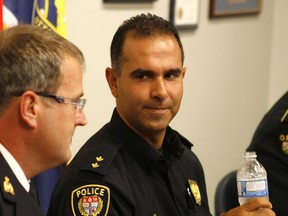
[251,179]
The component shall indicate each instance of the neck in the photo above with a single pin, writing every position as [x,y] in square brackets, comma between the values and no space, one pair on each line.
[155,139]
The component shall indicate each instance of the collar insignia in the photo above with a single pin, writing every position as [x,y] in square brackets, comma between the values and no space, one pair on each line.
[90,200]
[284,117]
[194,188]
[284,140]
[8,187]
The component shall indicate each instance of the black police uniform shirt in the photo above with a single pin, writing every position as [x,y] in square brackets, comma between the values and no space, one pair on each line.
[14,199]
[117,173]
[270,142]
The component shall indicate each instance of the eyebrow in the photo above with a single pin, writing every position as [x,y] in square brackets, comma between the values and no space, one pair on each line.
[80,95]
[175,70]
[139,70]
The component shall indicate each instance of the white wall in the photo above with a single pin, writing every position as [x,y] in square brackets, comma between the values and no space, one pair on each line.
[226,87]
[279,63]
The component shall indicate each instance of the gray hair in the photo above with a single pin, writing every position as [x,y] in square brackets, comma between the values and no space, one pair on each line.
[30,59]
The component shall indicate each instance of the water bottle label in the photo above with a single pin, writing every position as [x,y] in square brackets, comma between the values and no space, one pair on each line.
[252,188]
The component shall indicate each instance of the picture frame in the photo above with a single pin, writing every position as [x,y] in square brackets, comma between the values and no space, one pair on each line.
[128,1]
[184,14]
[220,8]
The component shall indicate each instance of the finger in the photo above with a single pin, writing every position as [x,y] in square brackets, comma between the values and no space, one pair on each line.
[265,212]
[241,211]
[257,203]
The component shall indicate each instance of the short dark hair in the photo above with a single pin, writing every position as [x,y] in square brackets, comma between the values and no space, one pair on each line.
[145,25]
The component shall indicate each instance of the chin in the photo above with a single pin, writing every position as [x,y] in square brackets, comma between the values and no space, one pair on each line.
[68,157]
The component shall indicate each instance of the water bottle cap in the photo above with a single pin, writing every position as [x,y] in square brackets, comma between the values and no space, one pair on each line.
[251,154]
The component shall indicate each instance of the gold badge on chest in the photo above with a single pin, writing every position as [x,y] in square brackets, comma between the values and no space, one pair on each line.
[284,140]
[194,188]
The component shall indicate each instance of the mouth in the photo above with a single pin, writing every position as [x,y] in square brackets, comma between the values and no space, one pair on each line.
[157,110]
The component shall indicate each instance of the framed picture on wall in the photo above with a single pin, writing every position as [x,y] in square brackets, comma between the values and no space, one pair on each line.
[184,13]
[220,8]
[127,1]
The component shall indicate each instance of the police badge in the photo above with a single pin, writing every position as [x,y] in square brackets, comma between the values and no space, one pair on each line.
[194,188]
[285,147]
[90,200]
[284,139]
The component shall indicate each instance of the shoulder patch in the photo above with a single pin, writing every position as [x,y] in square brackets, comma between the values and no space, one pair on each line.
[90,200]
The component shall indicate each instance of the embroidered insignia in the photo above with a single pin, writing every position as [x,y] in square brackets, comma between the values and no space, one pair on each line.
[96,164]
[90,200]
[99,158]
[195,191]
[284,139]
[8,187]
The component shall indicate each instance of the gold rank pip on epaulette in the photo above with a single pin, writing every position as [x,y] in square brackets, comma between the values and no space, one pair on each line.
[97,163]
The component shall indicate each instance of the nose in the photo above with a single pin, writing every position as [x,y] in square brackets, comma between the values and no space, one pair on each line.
[159,90]
[81,119]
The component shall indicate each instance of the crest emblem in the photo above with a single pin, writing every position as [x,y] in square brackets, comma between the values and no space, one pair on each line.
[90,205]
[194,188]
[90,200]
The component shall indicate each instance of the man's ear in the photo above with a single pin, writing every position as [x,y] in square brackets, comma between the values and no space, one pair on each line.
[184,71]
[111,78]
[29,105]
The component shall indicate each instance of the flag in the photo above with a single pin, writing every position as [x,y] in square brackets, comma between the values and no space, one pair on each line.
[45,183]
[1,15]
[51,14]
[16,12]
[47,14]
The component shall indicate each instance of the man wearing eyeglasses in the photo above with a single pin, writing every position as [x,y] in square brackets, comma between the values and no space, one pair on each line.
[40,107]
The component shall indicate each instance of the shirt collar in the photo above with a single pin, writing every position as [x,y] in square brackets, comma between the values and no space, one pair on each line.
[144,154]
[15,167]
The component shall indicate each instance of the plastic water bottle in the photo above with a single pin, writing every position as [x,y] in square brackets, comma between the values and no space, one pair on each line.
[251,179]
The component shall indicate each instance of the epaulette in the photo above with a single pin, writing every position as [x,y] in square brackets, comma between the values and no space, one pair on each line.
[99,153]
[183,140]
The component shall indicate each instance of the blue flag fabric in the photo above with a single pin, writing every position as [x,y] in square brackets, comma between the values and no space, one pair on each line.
[16,12]
[44,184]
[45,13]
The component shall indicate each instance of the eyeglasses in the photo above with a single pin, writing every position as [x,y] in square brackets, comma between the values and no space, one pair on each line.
[78,103]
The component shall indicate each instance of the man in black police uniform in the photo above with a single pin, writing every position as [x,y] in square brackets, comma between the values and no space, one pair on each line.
[136,164]
[270,142]
[36,127]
